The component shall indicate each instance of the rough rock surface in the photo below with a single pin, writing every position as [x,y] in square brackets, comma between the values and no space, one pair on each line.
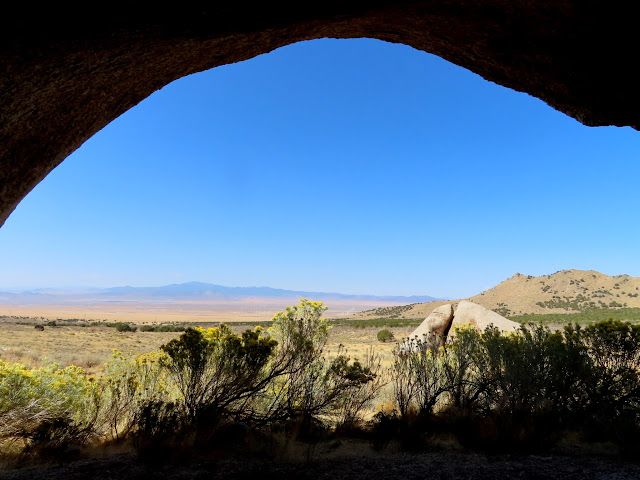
[480,318]
[62,80]
[437,323]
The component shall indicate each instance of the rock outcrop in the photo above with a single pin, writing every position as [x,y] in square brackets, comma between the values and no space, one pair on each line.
[480,318]
[62,80]
[435,326]
[441,324]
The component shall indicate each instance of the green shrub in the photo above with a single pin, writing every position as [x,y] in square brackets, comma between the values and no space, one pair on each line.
[304,385]
[124,327]
[162,328]
[376,322]
[385,336]
[523,389]
[216,370]
[358,384]
[613,349]
[534,371]
[159,427]
[463,364]
[170,328]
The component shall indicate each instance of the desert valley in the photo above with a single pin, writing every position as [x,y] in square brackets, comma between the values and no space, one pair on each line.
[371,397]
[80,335]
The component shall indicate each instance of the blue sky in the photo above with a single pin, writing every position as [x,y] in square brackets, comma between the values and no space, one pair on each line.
[354,166]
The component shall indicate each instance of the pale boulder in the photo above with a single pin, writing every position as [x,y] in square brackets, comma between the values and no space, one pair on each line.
[434,327]
[480,318]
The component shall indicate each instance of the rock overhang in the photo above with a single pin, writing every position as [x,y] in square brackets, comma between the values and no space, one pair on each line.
[63,79]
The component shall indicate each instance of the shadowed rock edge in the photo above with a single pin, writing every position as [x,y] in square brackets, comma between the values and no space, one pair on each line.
[62,80]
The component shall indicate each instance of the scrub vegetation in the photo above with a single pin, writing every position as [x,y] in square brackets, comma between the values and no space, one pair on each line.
[259,389]
[193,386]
[631,315]
[523,391]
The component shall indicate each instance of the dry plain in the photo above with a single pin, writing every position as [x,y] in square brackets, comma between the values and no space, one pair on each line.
[565,292]
[146,312]
[91,347]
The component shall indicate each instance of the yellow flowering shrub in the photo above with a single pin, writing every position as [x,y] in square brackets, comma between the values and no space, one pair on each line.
[29,397]
[129,383]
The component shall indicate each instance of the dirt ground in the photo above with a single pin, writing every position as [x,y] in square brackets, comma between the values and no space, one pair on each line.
[431,465]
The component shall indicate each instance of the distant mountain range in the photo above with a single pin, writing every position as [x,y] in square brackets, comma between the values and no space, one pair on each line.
[190,291]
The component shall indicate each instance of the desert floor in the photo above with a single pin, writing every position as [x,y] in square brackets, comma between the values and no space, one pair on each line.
[143,312]
[91,347]
[436,465]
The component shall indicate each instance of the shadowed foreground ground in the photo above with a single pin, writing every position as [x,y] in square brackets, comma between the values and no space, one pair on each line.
[434,465]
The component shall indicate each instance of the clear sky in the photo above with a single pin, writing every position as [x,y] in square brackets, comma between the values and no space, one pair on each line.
[351,166]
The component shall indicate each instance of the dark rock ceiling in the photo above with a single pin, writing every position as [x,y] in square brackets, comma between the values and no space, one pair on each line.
[66,74]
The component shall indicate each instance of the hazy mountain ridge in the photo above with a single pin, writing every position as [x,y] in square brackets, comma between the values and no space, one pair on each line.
[566,291]
[190,291]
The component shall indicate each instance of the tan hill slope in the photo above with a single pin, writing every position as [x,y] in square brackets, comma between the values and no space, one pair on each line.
[567,291]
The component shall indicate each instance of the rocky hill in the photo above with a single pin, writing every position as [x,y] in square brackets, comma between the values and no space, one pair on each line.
[567,291]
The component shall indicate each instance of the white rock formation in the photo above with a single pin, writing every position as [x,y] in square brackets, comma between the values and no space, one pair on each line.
[441,323]
[480,318]
[433,329]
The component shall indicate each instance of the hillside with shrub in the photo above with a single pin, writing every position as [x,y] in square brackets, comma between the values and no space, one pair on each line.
[564,292]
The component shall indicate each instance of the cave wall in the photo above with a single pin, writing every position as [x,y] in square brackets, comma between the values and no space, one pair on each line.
[62,80]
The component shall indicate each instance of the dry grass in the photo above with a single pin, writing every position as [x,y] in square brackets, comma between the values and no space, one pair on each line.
[88,347]
[91,347]
[357,341]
